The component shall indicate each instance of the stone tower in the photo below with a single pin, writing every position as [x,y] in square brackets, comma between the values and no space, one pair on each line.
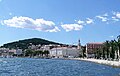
[79,45]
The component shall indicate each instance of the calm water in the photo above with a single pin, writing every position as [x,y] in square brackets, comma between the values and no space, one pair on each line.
[50,67]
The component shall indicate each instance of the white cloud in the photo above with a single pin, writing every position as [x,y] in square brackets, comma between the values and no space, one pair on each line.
[115,19]
[118,14]
[29,23]
[1,22]
[71,27]
[113,12]
[10,13]
[111,36]
[80,22]
[106,14]
[103,18]
[89,21]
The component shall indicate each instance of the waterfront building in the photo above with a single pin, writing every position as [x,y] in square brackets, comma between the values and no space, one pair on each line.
[91,48]
[61,52]
[4,52]
[11,52]
[18,52]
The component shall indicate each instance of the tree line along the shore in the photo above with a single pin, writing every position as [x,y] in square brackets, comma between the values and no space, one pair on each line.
[110,50]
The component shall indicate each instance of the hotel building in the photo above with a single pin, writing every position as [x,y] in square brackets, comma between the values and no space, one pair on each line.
[92,47]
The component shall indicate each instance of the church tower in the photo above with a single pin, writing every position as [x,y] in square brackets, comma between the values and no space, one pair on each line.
[79,45]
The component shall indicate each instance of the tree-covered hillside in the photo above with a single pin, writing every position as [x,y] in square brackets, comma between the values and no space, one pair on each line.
[24,44]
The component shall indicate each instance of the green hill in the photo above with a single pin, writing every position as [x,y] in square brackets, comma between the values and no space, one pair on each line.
[24,44]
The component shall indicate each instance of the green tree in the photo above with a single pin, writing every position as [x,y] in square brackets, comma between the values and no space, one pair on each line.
[40,53]
[46,52]
[98,53]
[112,49]
[116,48]
[118,37]
[106,47]
[103,52]
[29,52]
[84,51]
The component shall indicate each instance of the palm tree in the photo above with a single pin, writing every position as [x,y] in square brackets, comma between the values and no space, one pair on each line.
[84,51]
[116,48]
[118,37]
[112,45]
[106,48]
[103,52]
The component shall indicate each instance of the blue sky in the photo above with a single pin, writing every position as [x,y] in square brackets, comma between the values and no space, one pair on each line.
[63,21]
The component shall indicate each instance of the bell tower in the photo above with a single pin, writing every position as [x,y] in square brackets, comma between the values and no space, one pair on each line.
[79,45]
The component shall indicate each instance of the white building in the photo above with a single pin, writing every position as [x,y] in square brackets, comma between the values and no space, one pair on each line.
[14,51]
[45,47]
[4,52]
[64,52]
[18,51]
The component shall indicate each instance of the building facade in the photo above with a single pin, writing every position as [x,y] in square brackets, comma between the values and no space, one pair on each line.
[91,48]
[61,52]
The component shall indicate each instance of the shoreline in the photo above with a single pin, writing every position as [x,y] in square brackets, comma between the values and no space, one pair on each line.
[98,61]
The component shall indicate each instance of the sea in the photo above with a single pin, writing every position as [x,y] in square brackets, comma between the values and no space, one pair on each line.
[53,67]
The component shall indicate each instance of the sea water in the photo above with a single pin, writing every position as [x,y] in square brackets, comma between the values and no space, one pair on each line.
[53,67]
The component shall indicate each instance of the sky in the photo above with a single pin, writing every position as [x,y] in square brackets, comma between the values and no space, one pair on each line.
[63,21]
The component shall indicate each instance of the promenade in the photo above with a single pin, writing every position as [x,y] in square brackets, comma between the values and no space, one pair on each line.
[100,61]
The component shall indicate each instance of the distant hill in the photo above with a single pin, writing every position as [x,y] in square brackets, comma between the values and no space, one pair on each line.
[23,44]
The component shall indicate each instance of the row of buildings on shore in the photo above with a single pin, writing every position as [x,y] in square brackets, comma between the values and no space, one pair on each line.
[6,52]
[57,50]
